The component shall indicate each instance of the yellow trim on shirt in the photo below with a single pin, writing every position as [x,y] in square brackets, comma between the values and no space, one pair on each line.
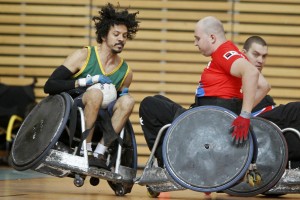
[85,63]
[101,67]
[127,72]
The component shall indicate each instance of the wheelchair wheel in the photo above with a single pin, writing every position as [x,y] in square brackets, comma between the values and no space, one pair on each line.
[271,159]
[40,131]
[151,193]
[128,159]
[79,180]
[198,151]
[94,181]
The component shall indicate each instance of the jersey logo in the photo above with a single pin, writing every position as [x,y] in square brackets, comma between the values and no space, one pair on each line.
[229,54]
[208,65]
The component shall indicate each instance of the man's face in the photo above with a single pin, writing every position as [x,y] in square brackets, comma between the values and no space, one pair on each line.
[202,41]
[257,55]
[116,38]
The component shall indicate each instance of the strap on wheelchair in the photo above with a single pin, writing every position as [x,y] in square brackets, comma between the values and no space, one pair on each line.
[73,121]
[83,137]
[72,128]
[109,134]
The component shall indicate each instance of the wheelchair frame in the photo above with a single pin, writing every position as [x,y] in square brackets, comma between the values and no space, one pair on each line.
[290,181]
[157,179]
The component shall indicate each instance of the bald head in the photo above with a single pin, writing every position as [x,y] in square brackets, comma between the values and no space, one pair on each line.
[209,35]
[211,25]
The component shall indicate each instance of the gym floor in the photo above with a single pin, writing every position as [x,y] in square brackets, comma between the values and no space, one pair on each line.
[36,186]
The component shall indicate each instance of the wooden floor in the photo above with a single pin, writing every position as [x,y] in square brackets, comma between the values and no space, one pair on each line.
[31,185]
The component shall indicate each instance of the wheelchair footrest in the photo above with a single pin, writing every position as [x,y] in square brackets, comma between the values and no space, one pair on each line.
[61,164]
[289,183]
[127,173]
[158,180]
[104,174]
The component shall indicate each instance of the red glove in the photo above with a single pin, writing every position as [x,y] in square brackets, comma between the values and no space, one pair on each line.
[240,129]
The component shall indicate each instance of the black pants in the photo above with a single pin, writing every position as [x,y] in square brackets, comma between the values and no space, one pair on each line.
[157,111]
[287,116]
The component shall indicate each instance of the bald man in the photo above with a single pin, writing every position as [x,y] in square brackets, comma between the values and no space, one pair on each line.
[229,80]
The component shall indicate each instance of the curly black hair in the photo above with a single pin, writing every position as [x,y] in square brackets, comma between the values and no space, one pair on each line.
[110,16]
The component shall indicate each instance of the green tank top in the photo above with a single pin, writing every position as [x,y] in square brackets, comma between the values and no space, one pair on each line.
[93,67]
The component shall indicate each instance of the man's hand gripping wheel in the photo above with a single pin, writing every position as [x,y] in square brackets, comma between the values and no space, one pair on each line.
[240,128]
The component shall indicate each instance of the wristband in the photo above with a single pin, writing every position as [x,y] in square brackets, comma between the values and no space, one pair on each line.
[89,80]
[245,114]
[95,79]
[124,92]
[82,82]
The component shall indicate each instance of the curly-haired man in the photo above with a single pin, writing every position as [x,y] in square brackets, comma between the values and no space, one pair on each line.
[100,64]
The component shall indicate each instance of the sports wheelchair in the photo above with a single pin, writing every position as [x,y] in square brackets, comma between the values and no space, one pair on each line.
[50,139]
[199,154]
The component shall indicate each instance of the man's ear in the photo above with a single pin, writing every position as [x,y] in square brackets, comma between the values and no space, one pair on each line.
[244,51]
[213,38]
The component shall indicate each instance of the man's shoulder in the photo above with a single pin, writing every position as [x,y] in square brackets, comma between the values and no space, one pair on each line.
[228,50]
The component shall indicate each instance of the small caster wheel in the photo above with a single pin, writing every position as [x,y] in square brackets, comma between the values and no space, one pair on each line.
[120,191]
[250,180]
[94,181]
[78,181]
[151,193]
[258,179]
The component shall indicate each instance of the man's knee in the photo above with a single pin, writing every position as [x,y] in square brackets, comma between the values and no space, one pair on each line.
[92,98]
[127,102]
[147,102]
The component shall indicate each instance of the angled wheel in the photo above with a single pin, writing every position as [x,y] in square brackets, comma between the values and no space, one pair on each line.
[40,131]
[198,151]
[128,158]
[271,159]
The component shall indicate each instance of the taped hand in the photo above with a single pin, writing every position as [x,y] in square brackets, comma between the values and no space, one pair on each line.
[125,91]
[101,79]
[240,129]
[90,80]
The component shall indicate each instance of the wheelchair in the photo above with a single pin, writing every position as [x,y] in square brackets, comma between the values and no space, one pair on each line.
[49,142]
[199,154]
